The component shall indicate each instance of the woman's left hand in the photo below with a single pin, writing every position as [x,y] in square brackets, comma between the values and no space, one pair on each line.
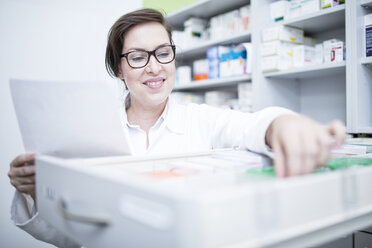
[301,145]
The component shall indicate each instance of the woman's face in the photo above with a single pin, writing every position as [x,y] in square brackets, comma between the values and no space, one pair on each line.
[151,85]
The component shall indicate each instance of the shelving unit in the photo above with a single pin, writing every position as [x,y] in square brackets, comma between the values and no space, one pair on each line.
[366,61]
[320,21]
[308,72]
[366,3]
[325,92]
[186,55]
[214,83]
[200,49]
[203,9]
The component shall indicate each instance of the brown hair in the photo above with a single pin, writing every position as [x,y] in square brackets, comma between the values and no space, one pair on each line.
[119,30]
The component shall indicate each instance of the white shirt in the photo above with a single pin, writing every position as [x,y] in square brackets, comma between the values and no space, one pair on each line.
[194,127]
[180,128]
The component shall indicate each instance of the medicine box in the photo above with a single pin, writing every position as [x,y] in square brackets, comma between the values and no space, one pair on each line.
[303,56]
[333,50]
[276,62]
[294,9]
[283,33]
[368,34]
[319,54]
[233,63]
[309,6]
[276,48]
[206,199]
[214,56]
[330,3]
[279,10]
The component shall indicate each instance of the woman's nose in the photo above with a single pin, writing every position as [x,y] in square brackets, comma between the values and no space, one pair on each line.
[153,66]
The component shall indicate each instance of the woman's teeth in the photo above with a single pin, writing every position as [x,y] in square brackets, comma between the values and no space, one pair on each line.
[154,83]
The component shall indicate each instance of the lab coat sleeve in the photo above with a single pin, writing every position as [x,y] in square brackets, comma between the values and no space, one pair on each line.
[244,130]
[25,216]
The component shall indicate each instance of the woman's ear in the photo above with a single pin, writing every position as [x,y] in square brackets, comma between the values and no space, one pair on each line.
[120,74]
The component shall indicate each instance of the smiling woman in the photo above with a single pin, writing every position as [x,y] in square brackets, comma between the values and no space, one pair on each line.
[140,52]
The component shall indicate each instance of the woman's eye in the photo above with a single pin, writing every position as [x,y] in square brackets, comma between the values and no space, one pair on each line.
[138,58]
[163,54]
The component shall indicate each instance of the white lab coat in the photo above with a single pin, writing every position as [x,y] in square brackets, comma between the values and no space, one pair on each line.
[181,128]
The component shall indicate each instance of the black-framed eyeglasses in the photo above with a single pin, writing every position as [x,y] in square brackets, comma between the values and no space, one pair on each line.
[140,58]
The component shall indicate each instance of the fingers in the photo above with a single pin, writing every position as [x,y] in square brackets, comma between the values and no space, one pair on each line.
[27,189]
[23,159]
[301,144]
[338,131]
[22,181]
[293,147]
[280,166]
[325,143]
[24,171]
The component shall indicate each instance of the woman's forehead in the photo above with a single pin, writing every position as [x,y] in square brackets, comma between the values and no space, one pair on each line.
[145,36]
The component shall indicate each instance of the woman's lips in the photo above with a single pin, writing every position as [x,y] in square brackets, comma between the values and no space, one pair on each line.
[154,83]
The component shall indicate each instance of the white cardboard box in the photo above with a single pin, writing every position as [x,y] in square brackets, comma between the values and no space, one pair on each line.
[276,48]
[303,56]
[283,33]
[279,10]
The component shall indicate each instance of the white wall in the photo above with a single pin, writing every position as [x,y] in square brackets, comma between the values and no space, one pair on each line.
[44,39]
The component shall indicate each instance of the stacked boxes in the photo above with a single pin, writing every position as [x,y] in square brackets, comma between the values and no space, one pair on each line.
[220,98]
[284,53]
[276,49]
[233,63]
[230,23]
[214,55]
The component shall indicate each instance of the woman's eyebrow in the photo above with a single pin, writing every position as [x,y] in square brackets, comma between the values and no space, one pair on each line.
[141,49]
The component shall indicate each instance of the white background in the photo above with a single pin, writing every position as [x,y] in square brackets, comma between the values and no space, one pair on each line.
[47,40]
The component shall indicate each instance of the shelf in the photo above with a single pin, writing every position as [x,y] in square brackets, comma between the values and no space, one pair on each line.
[366,3]
[203,9]
[201,49]
[321,21]
[365,129]
[213,83]
[366,61]
[309,72]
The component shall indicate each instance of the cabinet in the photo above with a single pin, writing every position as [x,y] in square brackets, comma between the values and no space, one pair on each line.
[324,92]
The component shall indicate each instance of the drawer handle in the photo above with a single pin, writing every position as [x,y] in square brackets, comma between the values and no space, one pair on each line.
[84,215]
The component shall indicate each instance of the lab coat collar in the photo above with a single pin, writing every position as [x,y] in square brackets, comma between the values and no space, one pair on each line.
[171,116]
[174,118]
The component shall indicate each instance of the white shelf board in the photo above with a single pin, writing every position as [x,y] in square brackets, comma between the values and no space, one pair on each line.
[308,72]
[366,3]
[320,21]
[366,61]
[365,129]
[204,9]
[212,83]
[202,47]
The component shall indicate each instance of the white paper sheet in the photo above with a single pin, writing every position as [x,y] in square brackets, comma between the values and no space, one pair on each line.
[70,119]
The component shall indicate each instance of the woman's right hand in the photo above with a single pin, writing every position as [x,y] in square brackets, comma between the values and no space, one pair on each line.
[22,174]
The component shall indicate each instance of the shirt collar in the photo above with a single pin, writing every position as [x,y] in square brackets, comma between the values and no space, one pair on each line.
[172,116]
[175,119]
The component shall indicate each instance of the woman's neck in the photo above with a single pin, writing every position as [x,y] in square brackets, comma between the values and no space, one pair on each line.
[145,117]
